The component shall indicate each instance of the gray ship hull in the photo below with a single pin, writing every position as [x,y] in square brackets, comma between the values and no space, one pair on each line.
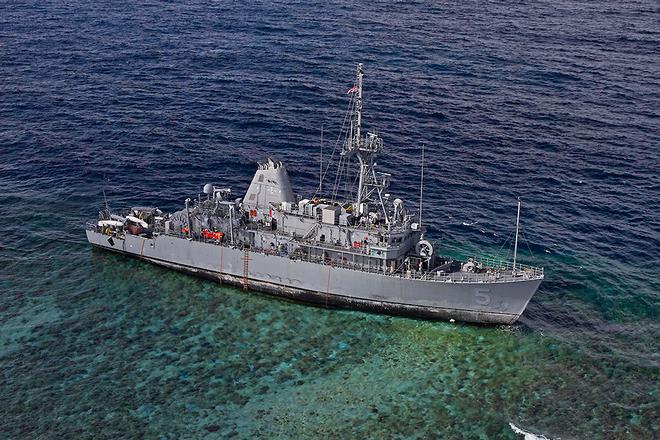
[480,302]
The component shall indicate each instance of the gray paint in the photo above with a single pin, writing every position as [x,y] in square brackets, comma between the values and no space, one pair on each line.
[498,303]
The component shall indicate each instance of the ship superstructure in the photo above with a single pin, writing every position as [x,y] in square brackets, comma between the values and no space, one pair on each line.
[367,252]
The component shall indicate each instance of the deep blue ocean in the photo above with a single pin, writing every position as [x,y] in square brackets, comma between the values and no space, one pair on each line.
[556,102]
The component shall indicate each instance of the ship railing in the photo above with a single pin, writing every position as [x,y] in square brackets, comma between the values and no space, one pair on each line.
[94,227]
[490,276]
[362,250]
[495,270]
[493,276]
[341,264]
[506,267]
[381,228]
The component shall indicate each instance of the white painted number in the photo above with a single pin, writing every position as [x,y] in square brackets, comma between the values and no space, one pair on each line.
[482,296]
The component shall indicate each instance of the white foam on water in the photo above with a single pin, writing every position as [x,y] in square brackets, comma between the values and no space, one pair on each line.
[528,435]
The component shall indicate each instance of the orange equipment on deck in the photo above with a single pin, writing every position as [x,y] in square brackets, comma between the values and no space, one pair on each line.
[212,235]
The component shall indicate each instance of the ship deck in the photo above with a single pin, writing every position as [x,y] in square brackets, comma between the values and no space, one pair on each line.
[490,270]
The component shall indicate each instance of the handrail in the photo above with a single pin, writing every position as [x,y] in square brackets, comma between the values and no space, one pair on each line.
[497,271]
[494,263]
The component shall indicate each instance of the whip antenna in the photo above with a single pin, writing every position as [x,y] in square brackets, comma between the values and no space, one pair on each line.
[321,165]
[421,191]
[106,200]
[515,247]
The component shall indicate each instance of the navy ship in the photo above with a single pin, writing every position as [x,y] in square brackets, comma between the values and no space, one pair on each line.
[364,252]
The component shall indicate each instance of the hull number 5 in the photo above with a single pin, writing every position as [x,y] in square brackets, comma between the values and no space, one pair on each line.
[482,296]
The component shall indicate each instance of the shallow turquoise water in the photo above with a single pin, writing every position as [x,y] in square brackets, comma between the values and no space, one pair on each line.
[95,344]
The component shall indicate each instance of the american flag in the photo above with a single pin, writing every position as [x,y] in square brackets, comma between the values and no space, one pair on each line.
[352,90]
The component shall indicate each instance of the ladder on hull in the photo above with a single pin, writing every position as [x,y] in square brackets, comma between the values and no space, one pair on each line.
[246,259]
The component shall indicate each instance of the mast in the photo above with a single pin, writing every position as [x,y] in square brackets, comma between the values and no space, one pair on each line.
[231,223]
[355,142]
[106,201]
[421,193]
[515,246]
[371,184]
[188,215]
[358,103]
[321,165]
